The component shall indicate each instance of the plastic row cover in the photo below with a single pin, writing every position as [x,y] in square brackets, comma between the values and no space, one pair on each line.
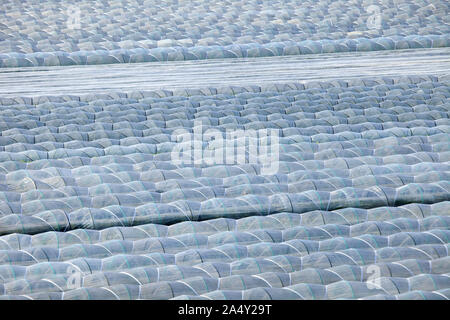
[71,213]
[340,110]
[72,171]
[150,146]
[297,105]
[42,136]
[253,121]
[296,97]
[109,194]
[109,142]
[147,152]
[370,104]
[163,176]
[416,216]
[15,277]
[191,249]
[291,171]
[64,172]
[76,25]
[261,294]
[252,289]
[217,260]
[312,91]
[217,52]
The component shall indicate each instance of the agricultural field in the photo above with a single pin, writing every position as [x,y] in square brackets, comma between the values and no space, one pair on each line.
[237,150]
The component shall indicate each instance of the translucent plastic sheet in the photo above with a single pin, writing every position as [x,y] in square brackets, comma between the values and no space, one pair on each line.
[253,50]
[92,207]
[82,32]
